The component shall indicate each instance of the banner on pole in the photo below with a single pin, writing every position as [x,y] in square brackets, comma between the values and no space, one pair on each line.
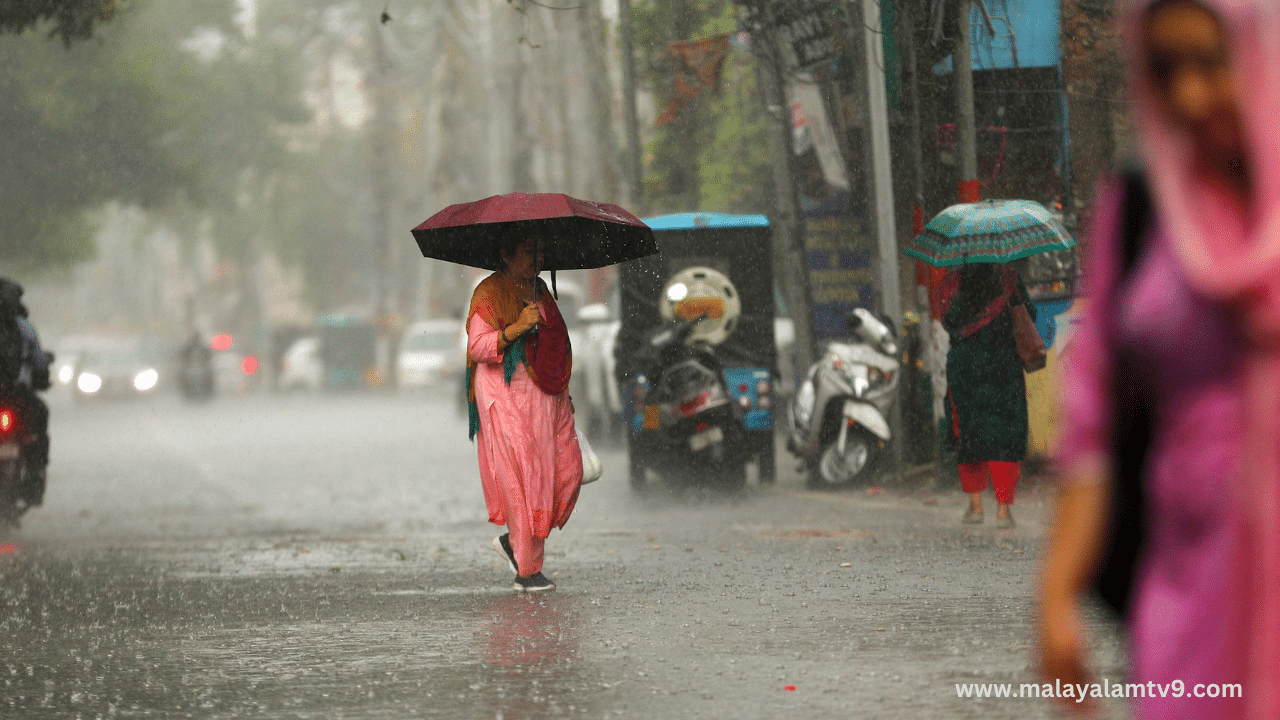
[699,64]
[809,116]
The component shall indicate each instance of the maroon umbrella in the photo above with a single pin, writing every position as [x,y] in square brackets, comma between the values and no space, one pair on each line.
[574,234]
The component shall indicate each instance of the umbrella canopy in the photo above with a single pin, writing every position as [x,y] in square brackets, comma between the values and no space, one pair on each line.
[989,231]
[575,234]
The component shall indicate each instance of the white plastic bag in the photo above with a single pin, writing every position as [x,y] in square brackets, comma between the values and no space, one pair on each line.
[591,467]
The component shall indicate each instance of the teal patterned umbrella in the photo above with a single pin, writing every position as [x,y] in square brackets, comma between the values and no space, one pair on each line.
[989,231]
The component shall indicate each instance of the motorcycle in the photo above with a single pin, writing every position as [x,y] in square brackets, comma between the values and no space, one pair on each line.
[689,420]
[838,418]
[15,471]
[196,372]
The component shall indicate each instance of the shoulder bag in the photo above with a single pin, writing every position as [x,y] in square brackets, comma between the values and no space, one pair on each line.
[1030,345]
[591,467]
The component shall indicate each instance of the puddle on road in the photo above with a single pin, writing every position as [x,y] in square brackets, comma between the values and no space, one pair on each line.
[496,656]
[123,640]
[491,591]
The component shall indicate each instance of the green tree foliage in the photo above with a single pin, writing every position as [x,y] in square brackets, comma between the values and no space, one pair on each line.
[229,104]
[70,19]
[170,101]
[729,171]
[76,133]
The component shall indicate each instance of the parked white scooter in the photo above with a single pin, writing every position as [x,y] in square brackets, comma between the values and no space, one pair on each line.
[839,423]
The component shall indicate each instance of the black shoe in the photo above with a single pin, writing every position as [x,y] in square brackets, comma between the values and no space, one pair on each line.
[536,582]
[502,544]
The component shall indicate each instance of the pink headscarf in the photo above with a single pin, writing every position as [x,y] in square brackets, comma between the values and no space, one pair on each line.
[1231,254]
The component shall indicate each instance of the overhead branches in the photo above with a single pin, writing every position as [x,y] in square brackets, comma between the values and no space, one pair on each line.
[72,19]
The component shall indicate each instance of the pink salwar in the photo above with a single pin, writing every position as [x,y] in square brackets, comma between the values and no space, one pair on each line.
[530,464]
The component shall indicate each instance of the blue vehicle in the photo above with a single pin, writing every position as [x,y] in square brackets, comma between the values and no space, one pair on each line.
[696,360]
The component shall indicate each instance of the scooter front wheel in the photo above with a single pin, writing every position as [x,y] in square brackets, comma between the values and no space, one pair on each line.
[841,468]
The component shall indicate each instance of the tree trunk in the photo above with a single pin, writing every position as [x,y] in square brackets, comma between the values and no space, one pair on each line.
[591,27]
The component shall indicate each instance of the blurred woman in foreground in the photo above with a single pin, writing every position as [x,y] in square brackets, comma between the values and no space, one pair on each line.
[1187,331]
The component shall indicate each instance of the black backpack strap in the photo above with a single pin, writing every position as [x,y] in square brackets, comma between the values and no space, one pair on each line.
[1132,426]
[1135,217]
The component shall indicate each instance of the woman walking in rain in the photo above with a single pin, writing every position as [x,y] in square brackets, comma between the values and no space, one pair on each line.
[1173,380]
[986,387]
[518,365]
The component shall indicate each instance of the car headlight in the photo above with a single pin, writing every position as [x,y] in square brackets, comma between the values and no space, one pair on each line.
[65,374]
[89,383]
[146,379]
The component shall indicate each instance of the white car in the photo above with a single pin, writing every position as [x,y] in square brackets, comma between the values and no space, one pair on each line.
[301,368]
[598,407]
[429,354]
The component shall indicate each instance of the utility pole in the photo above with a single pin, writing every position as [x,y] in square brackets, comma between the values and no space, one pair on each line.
[633,169]
[882,174]
[966,140]
[591,27]
[882,182]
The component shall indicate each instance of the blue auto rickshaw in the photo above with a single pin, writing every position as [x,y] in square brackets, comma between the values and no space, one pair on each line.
[722,267]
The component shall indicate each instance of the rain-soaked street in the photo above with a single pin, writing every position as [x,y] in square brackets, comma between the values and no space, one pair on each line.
[304,557]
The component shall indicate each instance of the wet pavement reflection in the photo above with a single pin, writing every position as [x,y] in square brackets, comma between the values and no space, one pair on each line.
[262,559]
[531,656]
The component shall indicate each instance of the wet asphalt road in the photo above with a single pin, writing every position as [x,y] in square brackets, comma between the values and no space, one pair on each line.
[295,557]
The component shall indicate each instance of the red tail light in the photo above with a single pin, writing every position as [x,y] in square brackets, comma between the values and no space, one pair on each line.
[691,406]
[6,420]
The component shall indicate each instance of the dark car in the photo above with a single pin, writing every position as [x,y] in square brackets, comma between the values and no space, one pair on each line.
[124,368]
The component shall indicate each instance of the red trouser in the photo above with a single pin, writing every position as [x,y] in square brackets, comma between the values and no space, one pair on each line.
[1004,476]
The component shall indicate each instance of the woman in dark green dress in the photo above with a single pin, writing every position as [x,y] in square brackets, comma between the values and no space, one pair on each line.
[986,387]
